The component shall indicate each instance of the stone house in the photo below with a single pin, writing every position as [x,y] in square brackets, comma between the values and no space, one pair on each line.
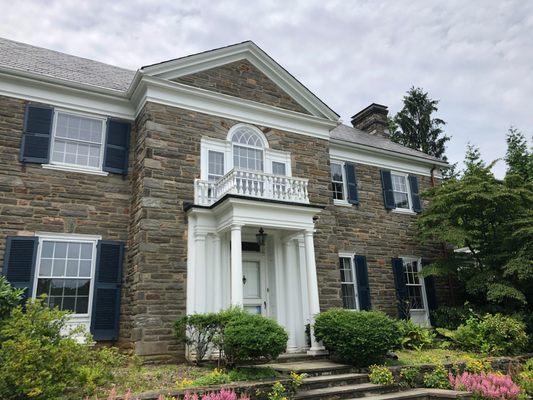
[216,179]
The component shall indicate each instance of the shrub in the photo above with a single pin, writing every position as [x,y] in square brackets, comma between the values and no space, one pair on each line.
[223,394]
[198,331]
[451,317]
[380,375]
[251,337]
[9,297]
[486,386]
[437,379]
[525,378]
[410,377]
[493,335]
[361,338]
[415,337]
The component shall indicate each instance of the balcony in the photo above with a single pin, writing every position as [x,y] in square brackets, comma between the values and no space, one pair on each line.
[257,185]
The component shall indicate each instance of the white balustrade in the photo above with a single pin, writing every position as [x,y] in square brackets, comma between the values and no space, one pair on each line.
[251,184]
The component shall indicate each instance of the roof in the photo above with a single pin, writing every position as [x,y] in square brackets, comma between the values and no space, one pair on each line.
[54,64]
[353,135]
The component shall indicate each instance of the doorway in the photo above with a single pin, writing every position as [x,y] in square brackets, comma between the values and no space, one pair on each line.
[255,299]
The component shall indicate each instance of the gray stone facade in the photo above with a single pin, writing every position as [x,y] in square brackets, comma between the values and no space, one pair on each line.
[146,209]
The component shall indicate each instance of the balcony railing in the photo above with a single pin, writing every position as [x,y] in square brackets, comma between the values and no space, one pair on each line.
[251,184]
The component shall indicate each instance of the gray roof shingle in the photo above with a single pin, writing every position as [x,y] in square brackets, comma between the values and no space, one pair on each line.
[52,63]
[353,135]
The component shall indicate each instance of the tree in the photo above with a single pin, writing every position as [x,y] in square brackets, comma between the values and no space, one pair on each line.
[518,158]
[414,126]
[491,221]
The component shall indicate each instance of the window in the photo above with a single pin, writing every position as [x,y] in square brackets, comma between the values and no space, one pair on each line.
[348,283]
[215,165]
[78,141]
[64,274]
[279,168]
[414,284]
[247,149]
[400,189]
[337,181]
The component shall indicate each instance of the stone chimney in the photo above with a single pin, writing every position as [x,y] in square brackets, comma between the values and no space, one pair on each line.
[372,119]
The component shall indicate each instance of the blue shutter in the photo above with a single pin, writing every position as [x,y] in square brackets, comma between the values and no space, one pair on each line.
[402,296]
[117,147]
[35,146]
[386,186]
[351,181]
[431,294]
[106,300]
[363,288]
[19,262]
[415,196]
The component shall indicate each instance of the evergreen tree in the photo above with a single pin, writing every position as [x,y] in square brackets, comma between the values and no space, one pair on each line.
[414,126]
[518,158]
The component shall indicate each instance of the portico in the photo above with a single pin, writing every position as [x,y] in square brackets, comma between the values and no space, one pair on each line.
[227,267]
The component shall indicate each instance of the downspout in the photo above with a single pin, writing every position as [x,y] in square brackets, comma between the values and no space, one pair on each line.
[433,183]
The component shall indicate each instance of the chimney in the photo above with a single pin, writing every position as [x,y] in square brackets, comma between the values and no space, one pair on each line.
[372,119]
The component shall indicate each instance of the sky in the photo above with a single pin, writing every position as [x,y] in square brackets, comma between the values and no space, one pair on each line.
[475,57]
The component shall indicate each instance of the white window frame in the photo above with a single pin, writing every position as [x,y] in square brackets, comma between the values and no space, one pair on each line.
[73,167]
[403,210]
[91,239]
[339,202]
[351,257]
[422,283]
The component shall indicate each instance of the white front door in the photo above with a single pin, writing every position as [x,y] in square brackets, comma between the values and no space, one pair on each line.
[254,283]
[416,290]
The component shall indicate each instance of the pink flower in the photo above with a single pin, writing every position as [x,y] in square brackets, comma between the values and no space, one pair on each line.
[490,386]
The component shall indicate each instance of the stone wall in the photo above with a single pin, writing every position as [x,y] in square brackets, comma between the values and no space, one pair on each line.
[242,79]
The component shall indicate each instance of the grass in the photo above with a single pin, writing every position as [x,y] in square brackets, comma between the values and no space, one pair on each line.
[431,356]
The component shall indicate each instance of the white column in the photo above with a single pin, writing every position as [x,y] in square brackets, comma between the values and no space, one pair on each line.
[281,304]
[191,266]
[312,289]
[291,295]
[218,299]
[200,276]
[302,270]
[236,266]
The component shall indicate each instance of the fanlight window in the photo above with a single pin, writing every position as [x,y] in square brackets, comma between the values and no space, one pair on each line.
[248,149]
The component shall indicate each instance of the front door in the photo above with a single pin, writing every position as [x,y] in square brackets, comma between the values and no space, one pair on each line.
[254,282]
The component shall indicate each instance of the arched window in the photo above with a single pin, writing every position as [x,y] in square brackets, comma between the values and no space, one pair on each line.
[248,145]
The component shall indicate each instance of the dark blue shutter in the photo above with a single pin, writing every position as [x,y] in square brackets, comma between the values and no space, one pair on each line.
[106,300]
[117,147]
[431,294]
[19,262]
[351,181]
[35,146]
[415,196]
[363,288]
[386,185]
[402,296]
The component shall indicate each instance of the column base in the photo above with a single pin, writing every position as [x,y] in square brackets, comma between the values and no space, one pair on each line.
[317,351]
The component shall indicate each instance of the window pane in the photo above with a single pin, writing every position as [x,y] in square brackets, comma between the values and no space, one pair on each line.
[278,168]
[58,267]
[398,183]
[247,158]
[74,250]
[85,268]
[215,165]
[45,268]
[401,200]
[72,268]
[60,250]
[336,172]
[82,305]
[86,251]
[338,193]
[348,296]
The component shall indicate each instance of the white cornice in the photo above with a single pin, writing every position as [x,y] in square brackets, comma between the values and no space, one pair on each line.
[250,51]
[162,91]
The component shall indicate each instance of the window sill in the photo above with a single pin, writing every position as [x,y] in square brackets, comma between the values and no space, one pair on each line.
[342,203]
[403,211]
[74,169]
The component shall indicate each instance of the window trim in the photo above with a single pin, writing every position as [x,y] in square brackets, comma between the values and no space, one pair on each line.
[402,210]
[351,257]
[74,167]
[422,283]
[92,239]
[339,202]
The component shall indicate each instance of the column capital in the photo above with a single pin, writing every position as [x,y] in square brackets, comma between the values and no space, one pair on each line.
[236,226]
[309,232]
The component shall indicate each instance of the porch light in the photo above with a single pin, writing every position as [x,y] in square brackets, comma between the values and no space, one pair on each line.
[260,237]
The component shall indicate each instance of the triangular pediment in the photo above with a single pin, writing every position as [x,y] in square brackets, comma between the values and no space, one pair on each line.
[243,71]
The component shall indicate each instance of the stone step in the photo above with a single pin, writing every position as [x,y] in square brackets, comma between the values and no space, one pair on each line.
[345,392]
[421,394]
[323,381]
[311,368]
[295,357]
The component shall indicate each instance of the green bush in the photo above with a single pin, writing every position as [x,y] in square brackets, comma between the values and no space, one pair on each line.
[415,337]
[380,375]
[198,331]
[525,378]
[360,338]
[451,317]
[493,335]
[9,297]
[437,379]
[249,337]
[410,377]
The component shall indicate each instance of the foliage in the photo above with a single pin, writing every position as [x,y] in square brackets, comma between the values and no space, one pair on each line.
[518,158]
[278,392]
[486,386]
[361,338]
[525,378]
[251,337]
[414,336]
[415,127]
[410,377]
[437,378]
[198,331]
[451,317]
[9,297]
[223,394]
[492,220]
[380,375]
[493,335]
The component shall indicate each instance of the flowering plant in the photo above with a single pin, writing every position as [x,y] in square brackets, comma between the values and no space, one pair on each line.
[486,386]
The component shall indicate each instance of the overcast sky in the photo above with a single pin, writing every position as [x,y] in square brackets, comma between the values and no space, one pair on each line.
[476,57]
